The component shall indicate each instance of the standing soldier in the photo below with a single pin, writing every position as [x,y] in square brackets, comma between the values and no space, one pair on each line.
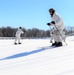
[18,35]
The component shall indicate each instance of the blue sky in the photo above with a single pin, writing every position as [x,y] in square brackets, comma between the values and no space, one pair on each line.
[34,13]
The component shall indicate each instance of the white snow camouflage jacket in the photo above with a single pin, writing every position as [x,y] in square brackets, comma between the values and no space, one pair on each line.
[58,21]
[19,32]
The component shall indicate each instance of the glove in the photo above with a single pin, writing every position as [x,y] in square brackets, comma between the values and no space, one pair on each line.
[24,31]
[53,22]
[48,24]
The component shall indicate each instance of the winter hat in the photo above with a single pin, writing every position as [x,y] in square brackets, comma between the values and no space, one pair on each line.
[20,27]
[52,10]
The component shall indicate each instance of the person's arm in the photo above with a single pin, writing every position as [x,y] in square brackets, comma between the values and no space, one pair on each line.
[22,31]
[58,20]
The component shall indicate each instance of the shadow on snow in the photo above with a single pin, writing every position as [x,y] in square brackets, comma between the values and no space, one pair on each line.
[27,53]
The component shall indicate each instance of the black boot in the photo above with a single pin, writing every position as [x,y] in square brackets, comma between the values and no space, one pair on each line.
[15,43]
[59,44]
[19,43]
[54,44]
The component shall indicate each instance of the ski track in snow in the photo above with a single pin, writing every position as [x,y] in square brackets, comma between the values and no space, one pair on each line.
[35,57]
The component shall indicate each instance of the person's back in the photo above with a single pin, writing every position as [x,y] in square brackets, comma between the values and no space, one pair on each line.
[58,21]
[19,32]
[18,35]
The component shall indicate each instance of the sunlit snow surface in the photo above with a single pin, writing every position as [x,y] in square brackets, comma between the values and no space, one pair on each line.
[35,57]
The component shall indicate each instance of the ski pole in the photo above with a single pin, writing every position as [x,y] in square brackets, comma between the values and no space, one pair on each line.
[50,28]
[50,34]
[60,35]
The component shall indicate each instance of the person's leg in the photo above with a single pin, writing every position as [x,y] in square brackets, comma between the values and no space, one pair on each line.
[19,40]
[51,39]
[58,39]
[54,38]
[15,40]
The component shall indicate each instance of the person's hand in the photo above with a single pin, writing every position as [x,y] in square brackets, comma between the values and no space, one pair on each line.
[48,24]
[53,22]
[24,31]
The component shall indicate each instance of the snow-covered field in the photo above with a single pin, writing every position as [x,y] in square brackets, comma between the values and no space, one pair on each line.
[35,57]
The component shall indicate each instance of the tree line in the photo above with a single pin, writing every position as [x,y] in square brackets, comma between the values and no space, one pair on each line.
[30,33]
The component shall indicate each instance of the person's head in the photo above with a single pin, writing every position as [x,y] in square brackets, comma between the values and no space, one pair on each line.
[20,27]
[51,11]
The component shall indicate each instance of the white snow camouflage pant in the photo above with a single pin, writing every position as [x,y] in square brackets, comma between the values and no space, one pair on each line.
[17,39]
[58,36]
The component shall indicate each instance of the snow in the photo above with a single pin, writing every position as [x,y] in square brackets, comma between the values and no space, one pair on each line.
[35,57]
